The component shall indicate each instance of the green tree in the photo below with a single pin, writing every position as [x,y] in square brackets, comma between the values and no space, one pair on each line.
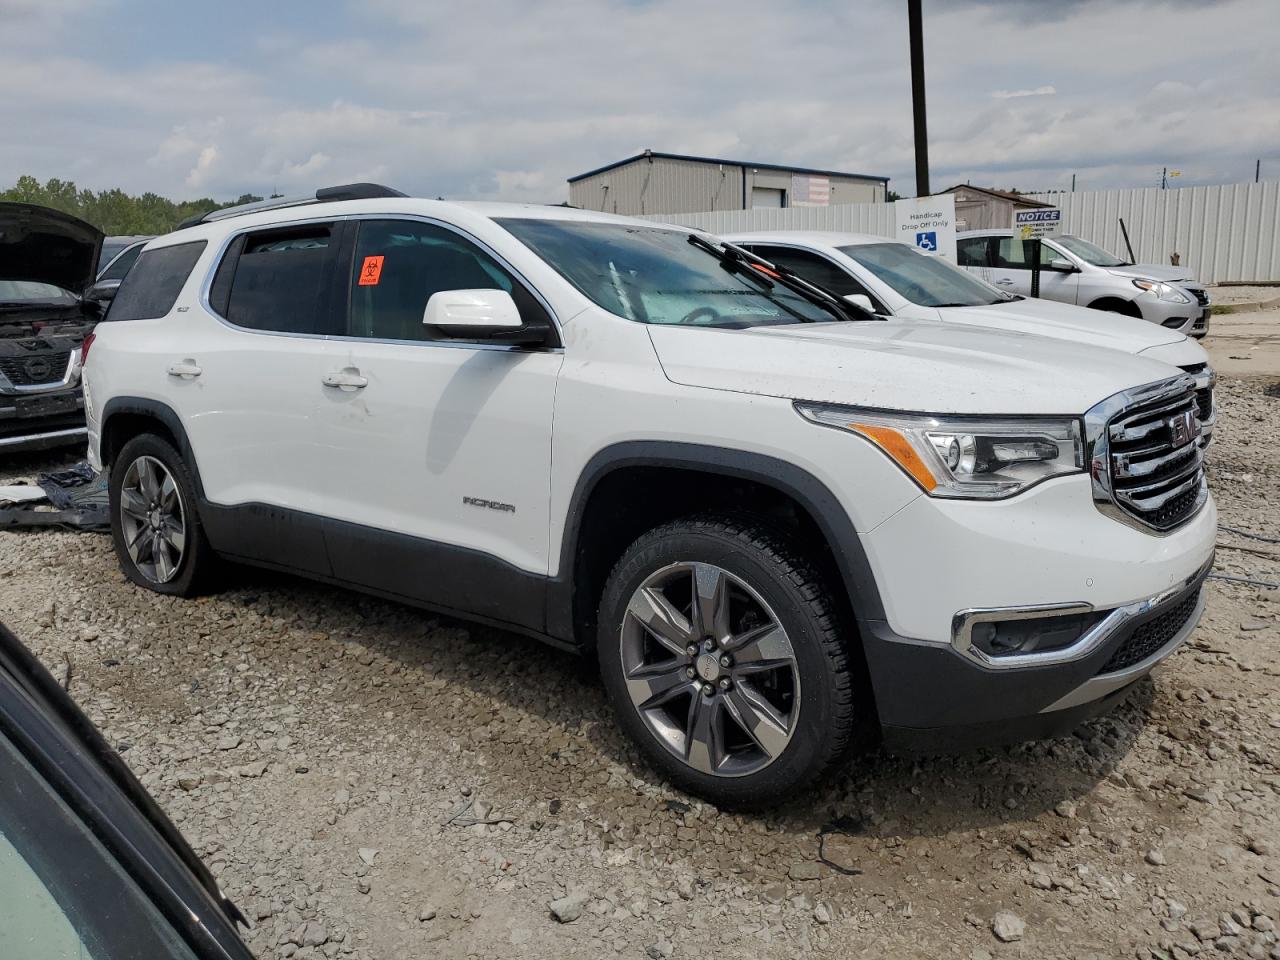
[114,212]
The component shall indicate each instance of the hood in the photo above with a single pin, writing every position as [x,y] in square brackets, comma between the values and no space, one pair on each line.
[913,365]
[1068,322]
[47,246]
[1186,353]
[1153,271]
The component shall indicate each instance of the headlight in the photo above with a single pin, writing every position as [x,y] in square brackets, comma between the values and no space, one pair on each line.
[1163,291]
[975,458]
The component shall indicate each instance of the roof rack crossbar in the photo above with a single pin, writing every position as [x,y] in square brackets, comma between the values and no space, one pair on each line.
[346,191]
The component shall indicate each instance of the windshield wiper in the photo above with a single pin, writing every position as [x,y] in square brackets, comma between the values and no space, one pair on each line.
[745,262]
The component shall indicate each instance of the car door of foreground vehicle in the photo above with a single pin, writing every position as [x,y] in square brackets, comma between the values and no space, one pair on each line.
[439,450]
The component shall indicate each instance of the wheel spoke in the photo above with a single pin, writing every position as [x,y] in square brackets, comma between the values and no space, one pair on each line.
[663,621]
[710,601]
[758,719]
[147,479]
[174,533]
[132,503]
[653,685]
[159,549]
[168,494]
[763,643]
[704,735]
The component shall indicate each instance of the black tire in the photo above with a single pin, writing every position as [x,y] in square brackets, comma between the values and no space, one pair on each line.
[197,561]
[767,560]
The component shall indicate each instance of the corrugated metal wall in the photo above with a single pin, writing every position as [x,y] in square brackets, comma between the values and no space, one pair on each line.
[666,185]
[1223,233]
[1227,233]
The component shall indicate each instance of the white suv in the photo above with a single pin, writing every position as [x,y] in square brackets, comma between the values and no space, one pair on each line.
[779,523]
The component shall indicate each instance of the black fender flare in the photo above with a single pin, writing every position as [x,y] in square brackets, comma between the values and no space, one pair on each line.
[164,414]
[787,478]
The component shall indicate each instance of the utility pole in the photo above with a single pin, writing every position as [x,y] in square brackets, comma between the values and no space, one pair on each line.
[1257,170]
[1073,183]
[916,31]
[1164,178]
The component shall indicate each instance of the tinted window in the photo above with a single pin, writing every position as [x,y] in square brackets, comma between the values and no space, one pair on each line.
[1014,253]
[151,287]
[655,275]
[399,264]
[121,264]
[278,280]
[973,252]
[814,268]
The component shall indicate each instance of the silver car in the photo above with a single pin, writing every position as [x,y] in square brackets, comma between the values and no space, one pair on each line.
[1073,270]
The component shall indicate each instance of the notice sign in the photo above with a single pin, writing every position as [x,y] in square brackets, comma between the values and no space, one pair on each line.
[810,191]
[928,223]
[1037,224]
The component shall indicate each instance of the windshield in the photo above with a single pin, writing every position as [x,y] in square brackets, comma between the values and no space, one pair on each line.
[1090,252]
[655,275]
[28,291]
[923,279]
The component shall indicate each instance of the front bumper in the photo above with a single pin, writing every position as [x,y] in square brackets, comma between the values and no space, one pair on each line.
[41,421]
[1191,318]
[938,699]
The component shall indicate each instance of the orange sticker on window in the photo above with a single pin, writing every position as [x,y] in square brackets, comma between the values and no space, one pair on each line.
[371,271]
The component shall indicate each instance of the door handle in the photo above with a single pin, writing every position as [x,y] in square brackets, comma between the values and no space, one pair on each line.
[348,379]
[1005,282]
[185,369]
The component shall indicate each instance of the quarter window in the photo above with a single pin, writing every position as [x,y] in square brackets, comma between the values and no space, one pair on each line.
[399,264]
[1014,253]
[277,280]
[121,264]
[151,288]
[974,252]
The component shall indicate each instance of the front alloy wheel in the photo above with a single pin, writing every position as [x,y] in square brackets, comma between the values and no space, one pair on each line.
[153,519]
[710,670]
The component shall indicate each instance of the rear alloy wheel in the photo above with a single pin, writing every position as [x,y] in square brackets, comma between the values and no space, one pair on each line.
[710,670]
[153,519]
[725,661]
[155,525]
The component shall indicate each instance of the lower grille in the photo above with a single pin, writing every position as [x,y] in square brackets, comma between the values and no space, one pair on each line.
[1155,459]
[1149,637]
[1202,298]
[36,369]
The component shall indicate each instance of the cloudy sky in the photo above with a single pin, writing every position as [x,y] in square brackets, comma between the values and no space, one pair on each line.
[507,98]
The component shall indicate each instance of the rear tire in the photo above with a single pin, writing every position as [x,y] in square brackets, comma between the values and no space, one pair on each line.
[155,523]
[724,661]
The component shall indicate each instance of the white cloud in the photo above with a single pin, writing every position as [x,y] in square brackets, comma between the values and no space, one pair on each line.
[1045,91]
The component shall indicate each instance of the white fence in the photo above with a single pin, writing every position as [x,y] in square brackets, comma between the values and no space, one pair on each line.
[1223,234]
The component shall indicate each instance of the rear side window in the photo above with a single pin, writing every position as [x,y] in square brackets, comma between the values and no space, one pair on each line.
[150,289]
[121,264]
[973,252]
[281,281]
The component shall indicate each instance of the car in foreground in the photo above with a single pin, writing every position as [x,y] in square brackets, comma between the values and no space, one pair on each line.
[895,279]
[47,260]
[89,864]
[1073,270]
[782,525]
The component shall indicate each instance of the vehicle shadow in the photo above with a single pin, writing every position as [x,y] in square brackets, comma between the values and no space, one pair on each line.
[876,795]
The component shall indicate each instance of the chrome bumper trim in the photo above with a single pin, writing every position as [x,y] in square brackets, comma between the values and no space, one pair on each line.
[68,434]
[1089,641]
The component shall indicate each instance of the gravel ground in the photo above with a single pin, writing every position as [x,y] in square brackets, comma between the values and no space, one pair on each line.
[1241,294]
[367,780]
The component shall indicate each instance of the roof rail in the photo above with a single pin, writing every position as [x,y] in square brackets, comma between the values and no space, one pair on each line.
[346,191]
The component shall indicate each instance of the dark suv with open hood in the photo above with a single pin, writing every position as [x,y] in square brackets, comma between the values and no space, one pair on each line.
[47,262]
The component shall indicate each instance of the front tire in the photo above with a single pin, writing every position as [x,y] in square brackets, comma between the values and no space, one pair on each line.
[724,661]
[155,526]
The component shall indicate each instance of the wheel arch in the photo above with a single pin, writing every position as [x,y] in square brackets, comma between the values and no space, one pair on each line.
[1117,305]
[614,485]
[124,418]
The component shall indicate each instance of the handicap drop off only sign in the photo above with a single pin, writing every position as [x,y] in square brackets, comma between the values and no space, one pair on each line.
[928,224]
[1037,224]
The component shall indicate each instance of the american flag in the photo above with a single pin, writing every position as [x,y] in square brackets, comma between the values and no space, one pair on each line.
[809,191]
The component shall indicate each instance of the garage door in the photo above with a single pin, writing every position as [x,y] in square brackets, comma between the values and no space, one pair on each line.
[767,197]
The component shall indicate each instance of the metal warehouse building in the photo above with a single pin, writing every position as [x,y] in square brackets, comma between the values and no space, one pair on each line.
[652,182]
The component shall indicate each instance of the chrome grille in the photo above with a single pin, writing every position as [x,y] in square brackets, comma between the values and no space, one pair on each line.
[35,369]
[1154,460]
[1202,298]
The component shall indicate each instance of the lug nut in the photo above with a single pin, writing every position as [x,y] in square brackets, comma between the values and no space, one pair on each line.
[709,645]
[691,649]
[708,689]
[689,672]
[726,661]
[725,683]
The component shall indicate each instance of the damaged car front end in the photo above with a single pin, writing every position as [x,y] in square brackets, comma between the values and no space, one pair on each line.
[47,262]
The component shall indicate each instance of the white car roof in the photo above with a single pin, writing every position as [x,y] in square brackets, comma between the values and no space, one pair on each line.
[809,238]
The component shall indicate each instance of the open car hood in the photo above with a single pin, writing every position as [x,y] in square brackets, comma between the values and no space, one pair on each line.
[47,246]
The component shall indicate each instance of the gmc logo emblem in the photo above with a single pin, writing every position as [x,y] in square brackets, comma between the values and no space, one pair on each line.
[1183,428]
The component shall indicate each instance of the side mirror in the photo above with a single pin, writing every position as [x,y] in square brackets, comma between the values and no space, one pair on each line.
[1062,265]
[479,315]
[861,300]
[104,291]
